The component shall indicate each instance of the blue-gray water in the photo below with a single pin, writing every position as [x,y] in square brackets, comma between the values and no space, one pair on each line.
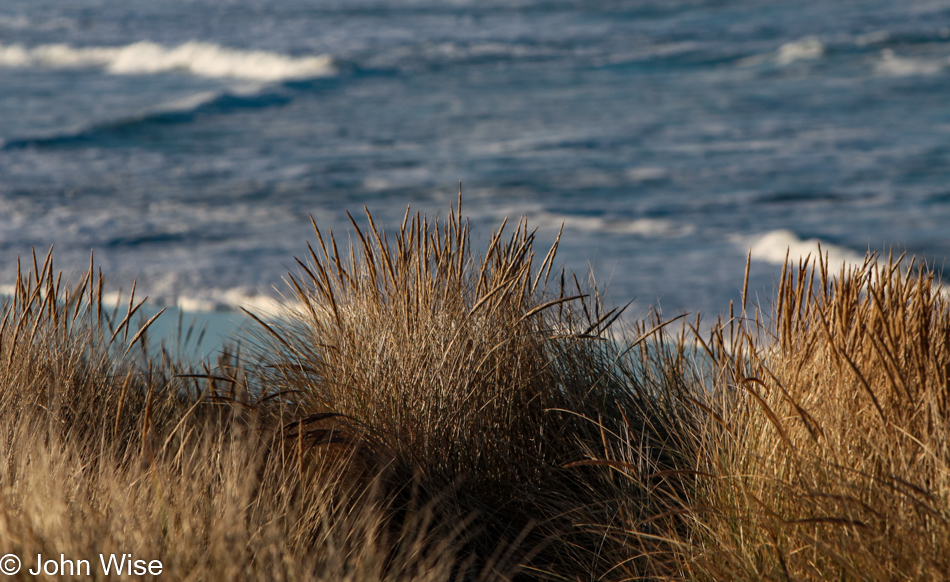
[187,142]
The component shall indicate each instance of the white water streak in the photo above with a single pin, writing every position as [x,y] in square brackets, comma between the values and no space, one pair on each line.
[196,58]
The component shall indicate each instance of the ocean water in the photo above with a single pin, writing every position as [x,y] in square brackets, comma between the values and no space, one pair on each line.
[187,142]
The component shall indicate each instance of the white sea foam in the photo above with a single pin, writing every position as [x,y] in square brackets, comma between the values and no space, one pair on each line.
[196,58]
[646,227]
[803,49]
[774,246]
[891,64]
[117,299]
[206,301]
[807,48]
[234,300]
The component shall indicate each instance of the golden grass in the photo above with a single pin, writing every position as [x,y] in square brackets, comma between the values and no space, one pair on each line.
[106,450]
[425,412]
[827,456]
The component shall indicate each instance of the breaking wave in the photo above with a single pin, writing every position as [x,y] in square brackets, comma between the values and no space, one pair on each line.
[233,300]
[206,301]
[803,49]
[774,246]
[893,65]
[195,58]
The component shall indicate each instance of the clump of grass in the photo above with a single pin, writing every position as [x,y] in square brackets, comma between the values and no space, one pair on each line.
[829,454]
[64,358]
[464,372]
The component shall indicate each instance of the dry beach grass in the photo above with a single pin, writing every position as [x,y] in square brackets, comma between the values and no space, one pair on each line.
[830,449]
[423,411]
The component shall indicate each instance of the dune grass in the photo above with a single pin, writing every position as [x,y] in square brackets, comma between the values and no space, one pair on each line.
[829,454]
[423,410]
[108,450]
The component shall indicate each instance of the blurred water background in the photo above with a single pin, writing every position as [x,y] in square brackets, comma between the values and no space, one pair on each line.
[187,142]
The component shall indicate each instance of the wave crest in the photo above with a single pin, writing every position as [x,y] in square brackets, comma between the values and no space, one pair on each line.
[196,58]
[803,49]
[774,246]
[893,65]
